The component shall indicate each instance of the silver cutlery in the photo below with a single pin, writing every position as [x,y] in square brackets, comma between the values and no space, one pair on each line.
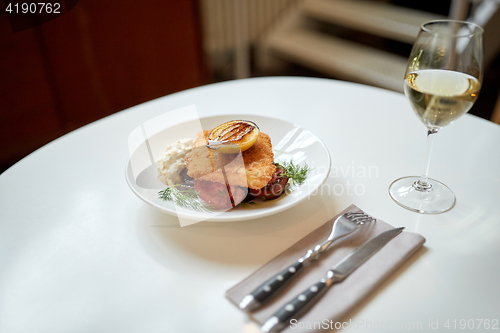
[342,226]
[298,305]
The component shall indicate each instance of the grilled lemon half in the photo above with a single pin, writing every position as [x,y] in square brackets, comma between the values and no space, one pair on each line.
[233,136]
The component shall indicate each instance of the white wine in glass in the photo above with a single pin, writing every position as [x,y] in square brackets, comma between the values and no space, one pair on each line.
[442,81]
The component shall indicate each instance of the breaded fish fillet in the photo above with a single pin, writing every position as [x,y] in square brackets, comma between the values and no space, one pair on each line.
[254,169]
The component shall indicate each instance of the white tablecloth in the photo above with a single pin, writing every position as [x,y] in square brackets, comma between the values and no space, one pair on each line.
[79,252]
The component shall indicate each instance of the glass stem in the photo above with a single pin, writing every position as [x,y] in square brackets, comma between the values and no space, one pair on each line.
[422,184]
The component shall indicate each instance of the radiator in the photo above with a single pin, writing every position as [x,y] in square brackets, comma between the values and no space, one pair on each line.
[226,23]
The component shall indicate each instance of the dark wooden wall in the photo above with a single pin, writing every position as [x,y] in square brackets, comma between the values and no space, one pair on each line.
[99,58]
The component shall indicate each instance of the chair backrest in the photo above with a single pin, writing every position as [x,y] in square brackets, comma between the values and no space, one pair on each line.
[487,15]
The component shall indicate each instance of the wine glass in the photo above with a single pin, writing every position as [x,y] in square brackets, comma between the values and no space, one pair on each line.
[442,81]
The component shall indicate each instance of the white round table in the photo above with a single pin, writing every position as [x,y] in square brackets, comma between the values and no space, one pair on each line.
[79,252]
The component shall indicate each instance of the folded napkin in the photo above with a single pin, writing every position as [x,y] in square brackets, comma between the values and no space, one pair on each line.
[341,297]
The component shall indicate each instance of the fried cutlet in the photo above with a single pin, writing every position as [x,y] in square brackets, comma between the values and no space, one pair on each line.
[206,164]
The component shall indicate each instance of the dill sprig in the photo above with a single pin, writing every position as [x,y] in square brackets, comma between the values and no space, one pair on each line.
[297,174]
[187,198]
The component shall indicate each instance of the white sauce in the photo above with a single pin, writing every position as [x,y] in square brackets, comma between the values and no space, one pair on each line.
[172,162]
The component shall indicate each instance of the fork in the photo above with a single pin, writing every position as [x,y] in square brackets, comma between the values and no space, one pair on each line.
[342,226]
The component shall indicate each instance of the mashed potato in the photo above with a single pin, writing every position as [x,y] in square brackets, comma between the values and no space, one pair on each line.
[172,162]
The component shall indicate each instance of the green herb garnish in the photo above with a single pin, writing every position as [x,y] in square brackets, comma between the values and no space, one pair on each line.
[183,198]
[296,174]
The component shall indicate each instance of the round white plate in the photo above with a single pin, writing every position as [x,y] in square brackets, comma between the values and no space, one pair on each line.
[290,143]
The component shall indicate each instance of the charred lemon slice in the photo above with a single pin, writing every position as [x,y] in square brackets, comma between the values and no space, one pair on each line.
[233,136]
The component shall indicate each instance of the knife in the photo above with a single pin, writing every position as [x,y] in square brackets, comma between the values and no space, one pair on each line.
[298,305]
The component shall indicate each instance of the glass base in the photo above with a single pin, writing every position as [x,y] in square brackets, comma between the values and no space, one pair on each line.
[433,197]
